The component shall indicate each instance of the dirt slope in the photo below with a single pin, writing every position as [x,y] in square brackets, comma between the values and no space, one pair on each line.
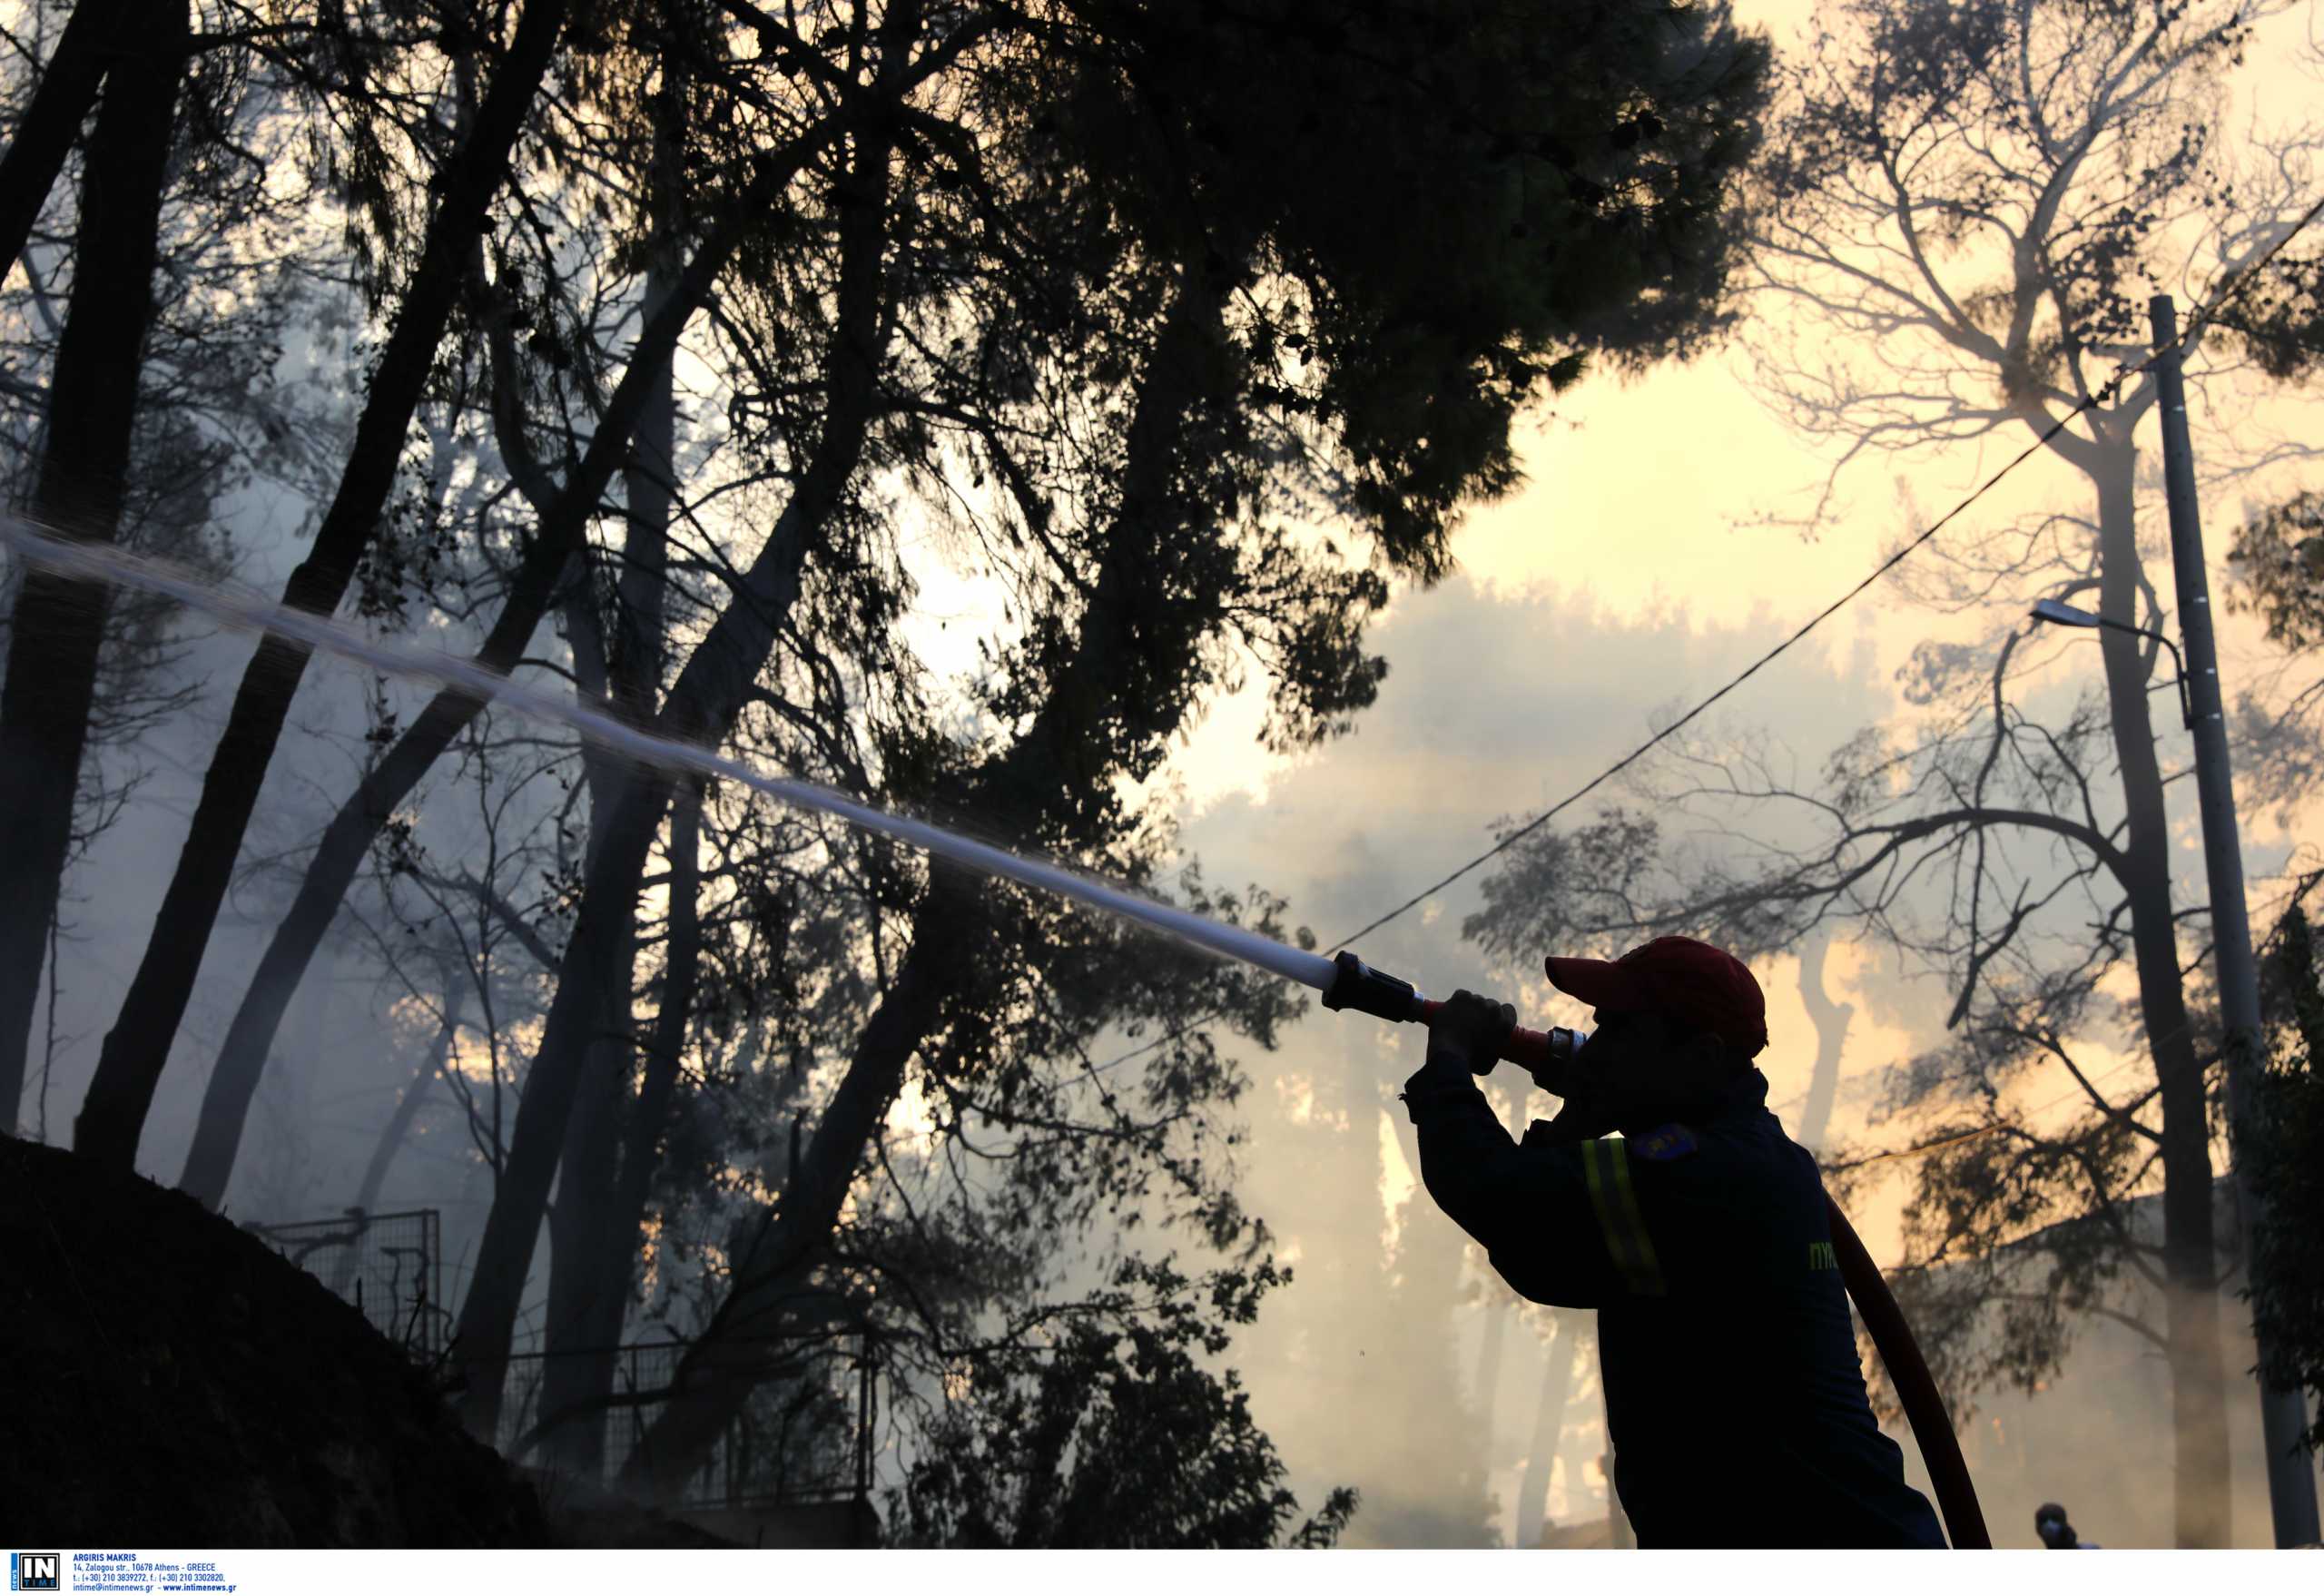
[168,1381]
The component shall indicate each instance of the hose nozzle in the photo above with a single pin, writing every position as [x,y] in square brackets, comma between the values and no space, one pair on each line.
[1357,985]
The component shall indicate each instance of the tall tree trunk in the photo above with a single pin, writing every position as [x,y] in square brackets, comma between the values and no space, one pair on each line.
[1831,1022]
[1549,1425]
[582,1213]
[609,973]
[602,1264]
[703,704]
[2200,1498]
[59,623]
[432,1060]
[1046,772]
[92,41]
[130,1065]
[557,541]
[587,1296]
[769,1284]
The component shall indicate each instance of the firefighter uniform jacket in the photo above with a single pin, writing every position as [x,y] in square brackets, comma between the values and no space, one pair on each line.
[1734,1398]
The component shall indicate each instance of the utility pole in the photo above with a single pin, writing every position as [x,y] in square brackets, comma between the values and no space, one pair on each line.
[2283,1414]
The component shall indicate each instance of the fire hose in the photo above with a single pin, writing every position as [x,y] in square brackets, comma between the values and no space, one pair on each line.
[1357,985]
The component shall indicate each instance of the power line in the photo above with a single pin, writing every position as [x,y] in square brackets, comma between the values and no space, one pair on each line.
[2105,392]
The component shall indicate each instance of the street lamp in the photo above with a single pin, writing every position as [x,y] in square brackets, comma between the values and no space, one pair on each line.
[2065,614]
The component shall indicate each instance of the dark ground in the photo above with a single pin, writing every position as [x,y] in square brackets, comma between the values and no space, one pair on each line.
[166,1380]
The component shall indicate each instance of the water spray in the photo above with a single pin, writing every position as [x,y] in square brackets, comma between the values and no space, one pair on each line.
[1345,981]
[249,611]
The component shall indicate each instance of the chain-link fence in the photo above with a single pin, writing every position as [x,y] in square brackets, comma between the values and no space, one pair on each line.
[803,1433]
[390,1266]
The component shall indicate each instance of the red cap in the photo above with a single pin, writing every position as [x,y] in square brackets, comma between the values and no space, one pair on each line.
[1693,981]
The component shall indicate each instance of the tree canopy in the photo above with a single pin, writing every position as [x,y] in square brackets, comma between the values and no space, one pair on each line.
[698,355]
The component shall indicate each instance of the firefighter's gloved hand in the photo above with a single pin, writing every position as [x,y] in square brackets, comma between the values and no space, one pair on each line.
[1472,1029]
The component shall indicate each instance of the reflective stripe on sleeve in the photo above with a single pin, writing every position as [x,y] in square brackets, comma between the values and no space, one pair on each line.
[1606,1166]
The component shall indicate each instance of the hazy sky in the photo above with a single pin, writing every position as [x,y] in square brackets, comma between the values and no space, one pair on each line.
[1629,576]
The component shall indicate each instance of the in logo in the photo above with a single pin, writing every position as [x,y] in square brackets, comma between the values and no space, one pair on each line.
[33,1570]
[1820,1255]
